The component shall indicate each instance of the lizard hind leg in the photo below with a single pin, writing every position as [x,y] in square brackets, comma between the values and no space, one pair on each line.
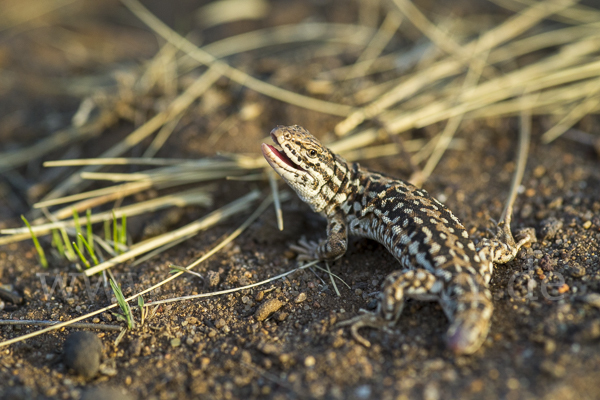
[399,285]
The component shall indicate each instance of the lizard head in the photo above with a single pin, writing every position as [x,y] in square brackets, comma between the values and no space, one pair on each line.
[303,163]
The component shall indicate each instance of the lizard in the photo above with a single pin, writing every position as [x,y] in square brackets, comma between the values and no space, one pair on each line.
[438,259]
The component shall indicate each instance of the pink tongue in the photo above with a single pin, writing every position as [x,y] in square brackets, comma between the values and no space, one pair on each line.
[283,157]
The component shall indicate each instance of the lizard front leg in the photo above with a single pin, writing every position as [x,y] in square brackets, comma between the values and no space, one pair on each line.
[331,248]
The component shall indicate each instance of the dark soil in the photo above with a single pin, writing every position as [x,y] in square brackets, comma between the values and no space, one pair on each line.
[545,337]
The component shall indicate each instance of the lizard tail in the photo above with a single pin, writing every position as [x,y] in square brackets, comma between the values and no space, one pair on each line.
[470,325]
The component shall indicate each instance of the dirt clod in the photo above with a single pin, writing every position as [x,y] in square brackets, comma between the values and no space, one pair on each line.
[267,308]
[82,352]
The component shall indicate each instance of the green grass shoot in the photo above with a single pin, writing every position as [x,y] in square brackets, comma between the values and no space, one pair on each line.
[77,228]
[58,242]
[107,230]
[127,315]
[40,251]
[115,233]
[123,237]
[90,234]
[81,256]
[90,249]
[69,252]
[142,309]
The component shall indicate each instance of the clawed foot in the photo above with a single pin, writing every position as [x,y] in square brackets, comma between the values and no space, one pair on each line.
[501,232]
[502,245]
[365,320]
[307,250]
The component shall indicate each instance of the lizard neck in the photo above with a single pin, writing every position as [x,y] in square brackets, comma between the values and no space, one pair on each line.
[341,187]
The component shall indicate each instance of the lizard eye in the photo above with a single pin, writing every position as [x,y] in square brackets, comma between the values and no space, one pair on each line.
[312,153]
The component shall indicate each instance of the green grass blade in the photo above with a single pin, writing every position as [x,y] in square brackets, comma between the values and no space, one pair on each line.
[77,228]
[90,235]
[69,252]
[115,233]
[89,249]
[123,238]
[40,251]
[107,231]
[58,242]
[81,257]
[123,304]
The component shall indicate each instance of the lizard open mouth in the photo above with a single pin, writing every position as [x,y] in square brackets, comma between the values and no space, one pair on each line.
[278,156]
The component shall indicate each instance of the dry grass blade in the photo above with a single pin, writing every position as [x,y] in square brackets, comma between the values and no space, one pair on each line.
[161,249]
[161,137]
[109,193]
[276,202]
[356,35]
[121,161]
[232,73]
[572,15]
[337,292]
[441,39]
[34,322]
[179,105]
[579,111]
[388,28]
[19,13]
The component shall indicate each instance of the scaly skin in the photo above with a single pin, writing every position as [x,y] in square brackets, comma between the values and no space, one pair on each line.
[438,259]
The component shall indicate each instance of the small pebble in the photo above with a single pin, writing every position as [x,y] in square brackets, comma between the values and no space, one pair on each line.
[82,352]
[267,308]
[550,227]
[213,278]
[107,370]
[175,342]
[135,347]
[592,299]
[281,316]
[363,392]
[300,298]
[310,361]
[289,254]
[563,289]
[220,323]
[587,224]
[259,296]
[576,270]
